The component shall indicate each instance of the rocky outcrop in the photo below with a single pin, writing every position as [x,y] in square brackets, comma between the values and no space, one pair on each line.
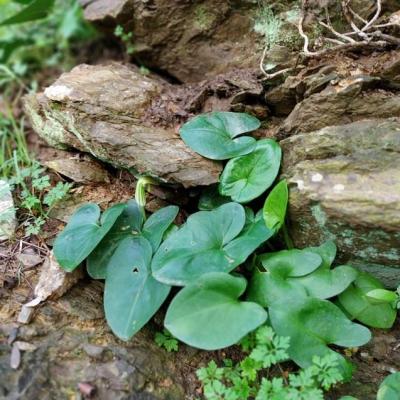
[190,40]
[68,348]
[345,185]
[101,110]
[351,99]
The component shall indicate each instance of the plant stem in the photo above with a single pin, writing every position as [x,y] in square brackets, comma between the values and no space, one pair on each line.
[287,238]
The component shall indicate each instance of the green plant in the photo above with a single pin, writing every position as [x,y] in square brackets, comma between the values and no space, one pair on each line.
[249,378]
[141,259]
[166,340]
[36,196]
[268,25]
[126,39]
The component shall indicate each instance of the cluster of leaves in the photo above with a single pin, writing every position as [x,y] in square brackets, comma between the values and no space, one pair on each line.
[36,34]
[141,260]
[126,38]
[166,340]
[37,197]
[250,377]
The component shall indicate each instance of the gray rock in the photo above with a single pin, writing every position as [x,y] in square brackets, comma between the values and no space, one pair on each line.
[345,185]
[190,40]
[137,369]
[8,222]
[101,110]
[351,99]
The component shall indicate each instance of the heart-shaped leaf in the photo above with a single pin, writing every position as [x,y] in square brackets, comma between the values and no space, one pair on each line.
[129,223]
[356,302]
[312,324]
[389,389]
[247,177]
[291,263]
[327,251]
[266,288]
[325,283]
[209,241]
[156,225]
[214,135]
[275,206]
[131,295]
[83,233]
[208,315]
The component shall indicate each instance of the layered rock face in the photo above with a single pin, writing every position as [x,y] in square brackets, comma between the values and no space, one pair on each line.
[345,185]
[101,110]
[192,40]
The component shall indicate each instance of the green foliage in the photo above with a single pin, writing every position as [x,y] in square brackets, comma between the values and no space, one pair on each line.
[269,26]
[37,9]
[166,340]
[131,294]
[83,233]
[275,206]
[127,39]
[210,199]
[208,315]
[247,379]
[247,177]
[209,241]
[140,259]
[389,388]
[36,198]
[360,306]
[217,135]
[312,324]
[43,37]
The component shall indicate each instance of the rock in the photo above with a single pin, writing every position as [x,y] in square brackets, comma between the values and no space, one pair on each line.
[8,222]
[351,99]
[55,281]
[28,258]
[81,170]
[345,185]
[15,357]
[101,110]
[137,369]
[92,350]
[189,40]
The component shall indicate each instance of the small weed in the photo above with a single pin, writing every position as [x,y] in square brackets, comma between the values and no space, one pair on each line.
[247,379]
[166,340]
[127,39]
[268,25]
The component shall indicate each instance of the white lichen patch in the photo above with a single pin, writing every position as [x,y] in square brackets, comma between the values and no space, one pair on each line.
[300,184]
[317,178]
[58,92]
[338,188]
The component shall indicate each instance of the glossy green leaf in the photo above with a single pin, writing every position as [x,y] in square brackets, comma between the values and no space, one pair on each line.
[215,135]
[389,389]
[129,223]
[291,263]
[325,283]
[209,241]
[327,251]
[83,233]
[355,301]
[266,288]
[131,295]
[37,9]
[381,296]
[156,225]
[247,177]
[312,324]
[210,199]
[275,206]
[208,315]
